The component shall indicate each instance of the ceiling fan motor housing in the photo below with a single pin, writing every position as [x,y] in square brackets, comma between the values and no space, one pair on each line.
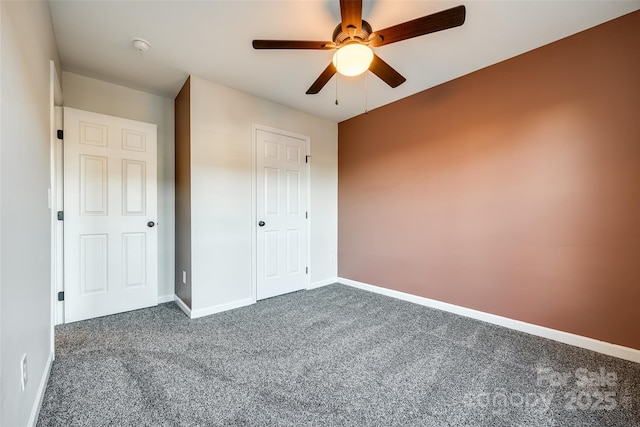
[340,37]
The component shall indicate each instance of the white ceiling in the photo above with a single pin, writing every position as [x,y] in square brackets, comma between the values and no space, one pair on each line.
[212,40]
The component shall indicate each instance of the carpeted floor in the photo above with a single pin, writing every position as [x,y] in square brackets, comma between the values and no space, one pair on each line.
[334,356]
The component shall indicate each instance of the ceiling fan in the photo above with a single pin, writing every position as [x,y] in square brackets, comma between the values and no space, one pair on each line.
[353,38]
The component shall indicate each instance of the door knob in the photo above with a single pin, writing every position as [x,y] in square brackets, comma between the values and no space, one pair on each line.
[261,223]
[151,224]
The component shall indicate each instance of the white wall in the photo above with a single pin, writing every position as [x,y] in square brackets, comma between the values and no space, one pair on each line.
[106,98]
[221,181]
[27,46]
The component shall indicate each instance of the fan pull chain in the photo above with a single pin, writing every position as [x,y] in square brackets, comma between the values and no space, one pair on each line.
[366,92]
[337,82]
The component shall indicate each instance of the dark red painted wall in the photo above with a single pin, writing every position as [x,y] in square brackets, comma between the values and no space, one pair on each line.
[514,190]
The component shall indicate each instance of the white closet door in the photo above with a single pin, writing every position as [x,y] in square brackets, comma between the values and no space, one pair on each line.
[110,211]
[282,231]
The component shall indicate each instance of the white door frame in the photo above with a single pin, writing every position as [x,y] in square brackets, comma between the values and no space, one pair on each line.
[58,206]
[55,194]
[254,206]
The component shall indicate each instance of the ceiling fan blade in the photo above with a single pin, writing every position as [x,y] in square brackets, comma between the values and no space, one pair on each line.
[292,44]
[351,14]
[322,80]
[438,21]
[386,73]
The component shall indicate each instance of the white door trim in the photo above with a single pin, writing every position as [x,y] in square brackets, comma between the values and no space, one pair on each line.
[254,208]
[55,191]
[58,205]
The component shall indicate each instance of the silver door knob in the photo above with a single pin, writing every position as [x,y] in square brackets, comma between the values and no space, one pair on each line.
[261,223]
[151,224]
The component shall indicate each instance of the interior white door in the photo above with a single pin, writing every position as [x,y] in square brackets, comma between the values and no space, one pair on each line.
[282,200]
[110,207]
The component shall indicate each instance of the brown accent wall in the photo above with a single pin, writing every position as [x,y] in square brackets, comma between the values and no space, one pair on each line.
[514,190]
[183,192]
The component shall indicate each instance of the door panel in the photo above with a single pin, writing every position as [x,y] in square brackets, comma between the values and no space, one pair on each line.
[109,196]
[271,191]
[133,187]
[134,248]
[293,192]
[93,185]
[293,251]
[93,263]
[282,198]
[271,253]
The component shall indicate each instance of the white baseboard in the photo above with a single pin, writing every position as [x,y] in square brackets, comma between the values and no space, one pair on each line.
[166,298]
[603,347]
[322,283]
[42,387]
[221,307]
[183,306]
[201,312]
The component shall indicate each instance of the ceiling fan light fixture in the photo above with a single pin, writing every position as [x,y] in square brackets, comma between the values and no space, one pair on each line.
[353,59]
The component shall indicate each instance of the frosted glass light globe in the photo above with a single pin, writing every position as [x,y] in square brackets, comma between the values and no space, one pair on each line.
[353,59]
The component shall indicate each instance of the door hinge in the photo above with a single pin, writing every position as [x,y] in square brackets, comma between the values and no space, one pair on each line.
[306,269]
[60,134]
[61,296]
[306,215]
[60,216]
[306,159]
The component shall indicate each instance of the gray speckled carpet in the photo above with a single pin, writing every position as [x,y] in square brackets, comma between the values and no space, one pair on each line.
[334,356]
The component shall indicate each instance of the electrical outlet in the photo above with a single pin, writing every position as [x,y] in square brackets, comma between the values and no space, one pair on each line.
[23,371]
[184,277]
